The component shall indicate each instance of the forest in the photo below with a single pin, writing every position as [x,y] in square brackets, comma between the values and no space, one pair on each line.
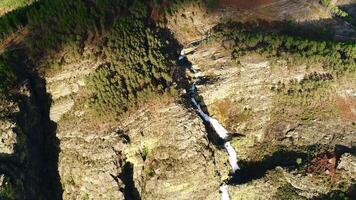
[127,27]
[337,56]
[137,68]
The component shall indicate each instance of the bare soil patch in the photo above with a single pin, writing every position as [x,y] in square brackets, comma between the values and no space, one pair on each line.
[245,4]
[347,107]
[324,163]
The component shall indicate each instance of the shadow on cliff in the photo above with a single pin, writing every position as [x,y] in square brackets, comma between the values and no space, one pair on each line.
[213,137]
[252,170]
[350,193]
[33,168]
[127,176]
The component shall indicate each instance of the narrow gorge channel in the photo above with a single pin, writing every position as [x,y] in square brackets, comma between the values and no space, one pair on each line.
[216,128]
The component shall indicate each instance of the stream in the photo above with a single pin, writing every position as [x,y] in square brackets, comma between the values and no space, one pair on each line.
[218,129]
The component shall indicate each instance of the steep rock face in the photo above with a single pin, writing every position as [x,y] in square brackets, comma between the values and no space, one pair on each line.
[64,84]
[7,125]
[248,85]
[30,163]
[86,160]
[171,158]
[239,94]
[160,152]
[163,153]
[87,164]
[8,138]
[171,155]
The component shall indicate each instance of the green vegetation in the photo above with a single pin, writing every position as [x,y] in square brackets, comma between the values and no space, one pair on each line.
[54,23]
[309,30]
[7,76]
[12,22]
[8,5]
[337,56]
[138,68]
[7,192]
[307,100]
[333,8]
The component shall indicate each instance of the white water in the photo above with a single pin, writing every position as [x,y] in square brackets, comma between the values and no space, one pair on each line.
[224,192]
[182,55]
[232,157]
[221,131]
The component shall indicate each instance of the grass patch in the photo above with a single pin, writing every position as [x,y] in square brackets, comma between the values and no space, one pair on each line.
[307,100]
[8,5]
[230,113]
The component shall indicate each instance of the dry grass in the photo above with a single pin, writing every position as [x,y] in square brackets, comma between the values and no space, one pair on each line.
[230,113]
[243,4]
[346,107]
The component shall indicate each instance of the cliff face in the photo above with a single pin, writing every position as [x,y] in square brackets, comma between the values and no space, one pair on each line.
[238,92]
[161,149]
[171,156]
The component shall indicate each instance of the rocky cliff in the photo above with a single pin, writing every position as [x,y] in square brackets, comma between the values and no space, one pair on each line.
[288,146]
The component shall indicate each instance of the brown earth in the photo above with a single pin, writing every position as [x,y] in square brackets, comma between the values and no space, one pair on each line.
[243,4]
[347,107]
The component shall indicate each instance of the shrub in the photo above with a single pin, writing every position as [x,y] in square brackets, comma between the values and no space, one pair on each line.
[7,75]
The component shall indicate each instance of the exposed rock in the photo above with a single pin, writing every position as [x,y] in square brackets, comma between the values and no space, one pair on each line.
[60,108]
[7,134]
[66,83]
[7,137]
[87,164]
[166,151]
[308,186]
[264,188]
[347,165]
[245,87]
[172,156]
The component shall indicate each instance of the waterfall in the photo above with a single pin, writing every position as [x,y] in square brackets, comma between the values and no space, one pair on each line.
[224,192]
[232,156]
[219,129]
[182,55]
